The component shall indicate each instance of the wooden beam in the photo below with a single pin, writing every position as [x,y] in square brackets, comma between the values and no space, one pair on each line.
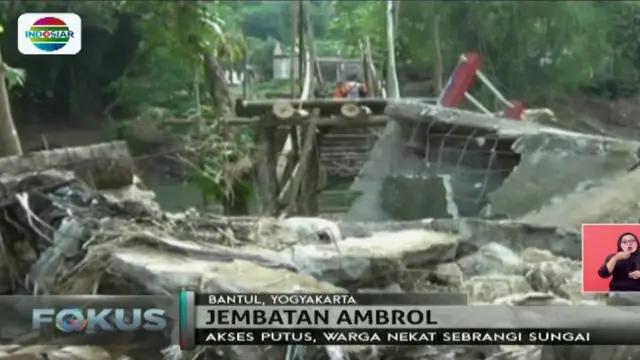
[338,121]
[250,108]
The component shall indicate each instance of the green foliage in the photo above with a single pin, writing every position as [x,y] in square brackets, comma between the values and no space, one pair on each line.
[14,77]
[530,48]
[272,18]
[261,54]
[223,162]
[140,55]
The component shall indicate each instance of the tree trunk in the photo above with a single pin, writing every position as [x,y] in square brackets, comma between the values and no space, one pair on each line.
[312,46]
[375,78]
[438,70]
[9,140]
[217,85]
[393,90]
[223,105]
[103,166]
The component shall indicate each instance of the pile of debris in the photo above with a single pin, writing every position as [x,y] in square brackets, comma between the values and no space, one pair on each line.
[63,233]
[60,236]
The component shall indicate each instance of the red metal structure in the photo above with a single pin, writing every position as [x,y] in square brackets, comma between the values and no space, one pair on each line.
[458,85]
[461,80]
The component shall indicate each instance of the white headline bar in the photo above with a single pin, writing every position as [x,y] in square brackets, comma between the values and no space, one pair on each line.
[475,317]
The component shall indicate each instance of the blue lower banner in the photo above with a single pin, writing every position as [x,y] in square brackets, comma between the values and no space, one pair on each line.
[241,336]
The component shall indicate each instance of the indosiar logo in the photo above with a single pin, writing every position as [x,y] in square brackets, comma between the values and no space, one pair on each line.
[49,34]
[100,320]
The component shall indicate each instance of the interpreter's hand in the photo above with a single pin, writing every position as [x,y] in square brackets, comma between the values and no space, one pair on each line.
[622,255]
[635,274]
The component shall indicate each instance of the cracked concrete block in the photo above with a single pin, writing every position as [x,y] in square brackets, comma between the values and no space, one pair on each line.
[410,198]
[517,168]
[556,164]
[614,201]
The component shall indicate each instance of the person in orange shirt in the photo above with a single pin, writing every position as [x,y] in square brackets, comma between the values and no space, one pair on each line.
[350,89]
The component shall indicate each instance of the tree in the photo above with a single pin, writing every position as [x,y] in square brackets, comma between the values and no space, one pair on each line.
[9,139]
[393,89]
[531,49]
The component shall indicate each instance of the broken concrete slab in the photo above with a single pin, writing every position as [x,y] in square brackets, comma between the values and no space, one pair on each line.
[161,272]
[410,198]
[553,165]
[496,165]
[388,157]
[613,201]
[374,258]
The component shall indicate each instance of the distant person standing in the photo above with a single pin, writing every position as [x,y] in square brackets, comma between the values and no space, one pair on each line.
[623,267]
[352,88]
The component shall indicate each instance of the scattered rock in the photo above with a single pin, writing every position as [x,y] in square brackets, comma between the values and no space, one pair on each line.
[380,257]
[488,288]
[124,234]
[535,255]
[492,258]
[448,274]
[560,276]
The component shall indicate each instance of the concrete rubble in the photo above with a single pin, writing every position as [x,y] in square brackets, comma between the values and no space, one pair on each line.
[447,238]
[509,263]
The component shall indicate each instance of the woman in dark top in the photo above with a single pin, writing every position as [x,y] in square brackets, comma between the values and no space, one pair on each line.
[623,267]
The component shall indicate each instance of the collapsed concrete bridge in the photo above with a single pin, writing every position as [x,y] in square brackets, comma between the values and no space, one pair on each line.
[469,164]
